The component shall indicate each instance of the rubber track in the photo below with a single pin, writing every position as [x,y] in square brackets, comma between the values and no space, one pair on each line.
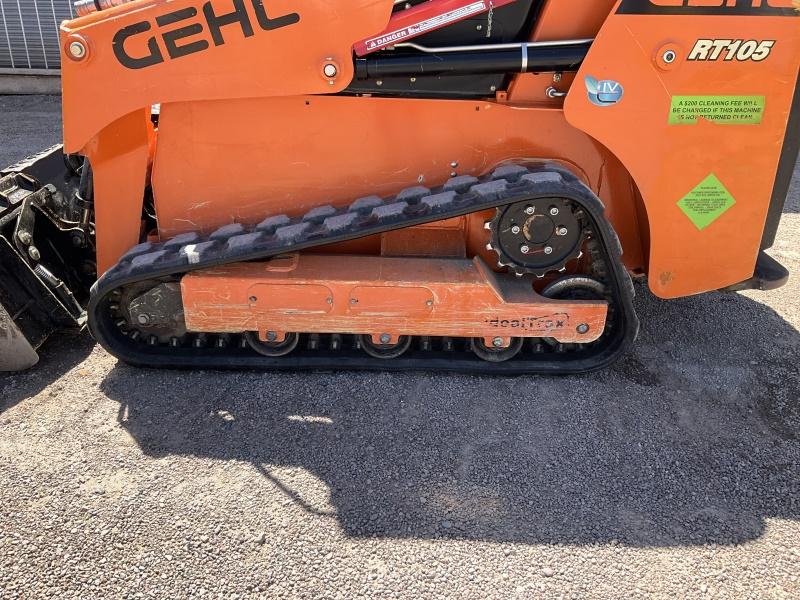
[366,216]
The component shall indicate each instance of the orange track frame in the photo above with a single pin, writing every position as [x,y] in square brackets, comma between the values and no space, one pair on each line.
[377,295]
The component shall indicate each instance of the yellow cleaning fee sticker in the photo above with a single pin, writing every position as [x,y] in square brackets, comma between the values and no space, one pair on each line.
[725,110]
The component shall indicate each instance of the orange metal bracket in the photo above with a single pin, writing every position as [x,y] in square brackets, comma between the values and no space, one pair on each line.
[394,296]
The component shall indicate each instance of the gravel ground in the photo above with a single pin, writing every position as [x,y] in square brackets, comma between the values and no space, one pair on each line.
[674,474]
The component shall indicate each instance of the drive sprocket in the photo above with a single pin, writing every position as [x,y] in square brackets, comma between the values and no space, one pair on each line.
[538,236]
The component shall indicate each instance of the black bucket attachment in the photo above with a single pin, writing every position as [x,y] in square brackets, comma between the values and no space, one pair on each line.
[46,254]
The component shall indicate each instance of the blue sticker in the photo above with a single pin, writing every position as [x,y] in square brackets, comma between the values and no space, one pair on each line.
[604,93]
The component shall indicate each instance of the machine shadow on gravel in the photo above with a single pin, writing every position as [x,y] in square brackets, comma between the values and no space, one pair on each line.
[687,441]
[61,353]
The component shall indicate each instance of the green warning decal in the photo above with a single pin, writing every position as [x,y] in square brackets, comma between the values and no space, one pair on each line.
[707,202]
[725,110]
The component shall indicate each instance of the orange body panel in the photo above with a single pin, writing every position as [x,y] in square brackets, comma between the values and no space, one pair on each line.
[398,296]
[287,155]
[669,161]
[247,128]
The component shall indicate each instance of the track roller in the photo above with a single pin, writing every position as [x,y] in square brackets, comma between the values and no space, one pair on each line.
[496,354]
[272,349]
[384,350]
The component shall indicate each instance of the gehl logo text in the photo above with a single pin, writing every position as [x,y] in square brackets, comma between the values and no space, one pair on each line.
[724,3]
[761,8]
[190,36]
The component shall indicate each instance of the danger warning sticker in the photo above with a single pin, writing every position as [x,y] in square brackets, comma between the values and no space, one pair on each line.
[707,202]
[725,110]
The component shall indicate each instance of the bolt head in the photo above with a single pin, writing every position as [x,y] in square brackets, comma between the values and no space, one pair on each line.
[562,231]
[582,328]
[77,50]
[548,250]
[530,210]
[330,70]
[33,252]
[271,336]
[553,211]
[24,237]
[497,342]
[669,56]
[253,299]
[385,338]
[515,229]
[143,319]
[525,249]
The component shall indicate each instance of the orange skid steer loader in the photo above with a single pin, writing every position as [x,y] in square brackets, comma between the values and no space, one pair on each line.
[464,185]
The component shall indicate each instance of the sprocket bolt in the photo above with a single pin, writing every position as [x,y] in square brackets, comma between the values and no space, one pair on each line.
[525,249]
[554,211]
[515,229]
[548,250]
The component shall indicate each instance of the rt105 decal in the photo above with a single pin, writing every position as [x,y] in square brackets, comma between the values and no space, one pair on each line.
[739,50]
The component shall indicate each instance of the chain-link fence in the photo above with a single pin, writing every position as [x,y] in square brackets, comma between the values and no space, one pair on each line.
[29,34]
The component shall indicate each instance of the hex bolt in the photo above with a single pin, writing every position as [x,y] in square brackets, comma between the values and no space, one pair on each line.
[553,211]
[271,336]
[525,249]
[353,301]
[515,229]
[330,70]
[562,231]
[329,300]
[530,210]
[77,240]
[497,342]
[33,252]
[454,164]
[582,328]
[548,250]
[24,237]
[253,299]
[143,319]
[77,50]
[669,56]
[385,338]
[429,302]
